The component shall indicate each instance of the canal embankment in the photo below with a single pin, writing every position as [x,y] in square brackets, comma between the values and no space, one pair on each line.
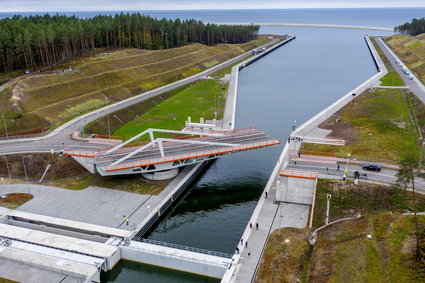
[271,215]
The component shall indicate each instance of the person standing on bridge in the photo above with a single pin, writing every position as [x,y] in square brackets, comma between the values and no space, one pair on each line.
[126,221]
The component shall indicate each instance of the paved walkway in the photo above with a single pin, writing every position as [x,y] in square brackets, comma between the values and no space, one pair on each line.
[270,217]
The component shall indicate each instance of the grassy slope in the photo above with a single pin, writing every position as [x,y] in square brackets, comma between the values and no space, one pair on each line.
[342,252]
[75,177]
[196,101]
[392,78]
[377,125]
[49,99]
[411,49]
[283,262]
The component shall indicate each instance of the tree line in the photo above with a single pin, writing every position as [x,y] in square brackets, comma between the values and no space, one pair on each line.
[417,26]
[44,41]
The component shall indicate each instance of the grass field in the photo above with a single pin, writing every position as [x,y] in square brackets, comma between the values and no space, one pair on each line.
[196,101]
[411,49]
[343,253]
[392,78]
[44,100]
[377,125]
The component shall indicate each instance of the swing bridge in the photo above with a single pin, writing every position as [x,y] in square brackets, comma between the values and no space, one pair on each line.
[160,157]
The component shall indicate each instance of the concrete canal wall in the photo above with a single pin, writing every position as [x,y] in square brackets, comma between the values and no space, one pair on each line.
[316,120]
[229,116]
[177,259]
[233,273]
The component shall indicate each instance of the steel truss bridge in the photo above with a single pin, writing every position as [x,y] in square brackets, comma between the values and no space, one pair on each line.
[164,154]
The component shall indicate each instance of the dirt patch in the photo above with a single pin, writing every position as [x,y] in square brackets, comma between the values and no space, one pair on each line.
[340,129]
[61,166]
[14,200]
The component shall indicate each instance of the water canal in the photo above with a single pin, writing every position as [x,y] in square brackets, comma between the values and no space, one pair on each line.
[283,89]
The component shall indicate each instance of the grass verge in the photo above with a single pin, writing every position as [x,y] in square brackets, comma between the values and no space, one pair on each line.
[392,78]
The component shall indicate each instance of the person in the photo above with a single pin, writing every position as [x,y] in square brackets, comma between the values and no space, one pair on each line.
[250,225]
[126,221]
[246,244]
[289,140]
[256,226]
[266,195]
[241,241]
[344,177]
[237,250]
[249,254]
[337,168]
[299,154]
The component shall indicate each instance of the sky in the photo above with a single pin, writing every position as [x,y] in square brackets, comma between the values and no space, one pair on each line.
[122,5]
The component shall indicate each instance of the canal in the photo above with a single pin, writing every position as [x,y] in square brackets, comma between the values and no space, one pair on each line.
[283,89]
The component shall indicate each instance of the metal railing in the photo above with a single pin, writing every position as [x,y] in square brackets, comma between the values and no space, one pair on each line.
[181,247]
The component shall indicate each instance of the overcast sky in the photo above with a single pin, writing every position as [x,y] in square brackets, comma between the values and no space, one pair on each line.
[120,5]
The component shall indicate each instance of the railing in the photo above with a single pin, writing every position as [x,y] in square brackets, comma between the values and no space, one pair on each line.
[299,174]
[146,162]
[181,247]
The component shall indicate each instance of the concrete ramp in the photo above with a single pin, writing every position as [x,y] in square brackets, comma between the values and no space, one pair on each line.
[296,187]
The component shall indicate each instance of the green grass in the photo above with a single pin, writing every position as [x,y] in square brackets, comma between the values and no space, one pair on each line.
[284,262]
[44,99]
[195,101]
[377,125]
[368,199]
[392,79]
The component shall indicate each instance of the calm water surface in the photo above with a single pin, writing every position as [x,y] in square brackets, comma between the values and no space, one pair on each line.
[283,89]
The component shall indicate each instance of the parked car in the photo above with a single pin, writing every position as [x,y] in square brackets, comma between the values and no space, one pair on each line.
[371,167]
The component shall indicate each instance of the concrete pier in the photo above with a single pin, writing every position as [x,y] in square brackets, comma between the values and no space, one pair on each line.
[312,25]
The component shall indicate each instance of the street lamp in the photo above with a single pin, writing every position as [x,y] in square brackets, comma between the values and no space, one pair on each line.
[5,127]
[422,151]
[8,169]
[25,170]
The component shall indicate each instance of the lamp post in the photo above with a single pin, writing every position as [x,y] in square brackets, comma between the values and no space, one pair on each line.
[25,171]
[8,169]
[293,132]
[422,151]
[5,127]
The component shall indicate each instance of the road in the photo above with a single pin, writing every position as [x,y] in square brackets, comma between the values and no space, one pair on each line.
[60,138]
[386,175]
[415,85]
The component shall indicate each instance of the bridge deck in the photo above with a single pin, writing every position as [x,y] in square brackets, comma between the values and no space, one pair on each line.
[185,148]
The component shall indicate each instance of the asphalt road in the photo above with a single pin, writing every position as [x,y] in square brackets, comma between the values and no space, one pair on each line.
[60,138]
[415,85]
[386,175]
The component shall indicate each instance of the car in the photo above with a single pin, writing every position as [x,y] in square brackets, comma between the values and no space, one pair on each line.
[371,167]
